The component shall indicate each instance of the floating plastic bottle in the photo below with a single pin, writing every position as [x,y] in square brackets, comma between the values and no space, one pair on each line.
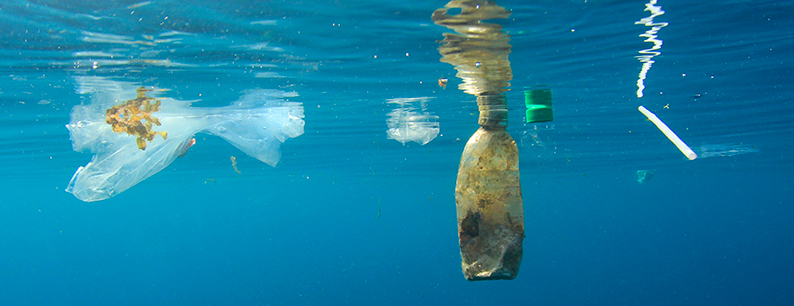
[488,189]
[490,206]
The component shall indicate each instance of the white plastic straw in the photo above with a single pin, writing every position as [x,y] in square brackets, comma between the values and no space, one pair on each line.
[669,133]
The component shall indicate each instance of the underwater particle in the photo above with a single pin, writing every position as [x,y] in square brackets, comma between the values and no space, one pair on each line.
[442,82]
[234,164]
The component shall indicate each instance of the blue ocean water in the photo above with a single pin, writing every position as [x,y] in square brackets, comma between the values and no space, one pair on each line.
[350,216]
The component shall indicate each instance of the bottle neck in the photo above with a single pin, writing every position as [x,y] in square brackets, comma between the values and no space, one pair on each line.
[493,110]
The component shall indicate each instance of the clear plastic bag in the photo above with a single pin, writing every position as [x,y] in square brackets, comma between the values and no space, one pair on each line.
[410,121]
[257,124]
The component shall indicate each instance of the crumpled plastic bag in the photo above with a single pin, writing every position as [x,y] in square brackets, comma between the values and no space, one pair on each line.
[257,124]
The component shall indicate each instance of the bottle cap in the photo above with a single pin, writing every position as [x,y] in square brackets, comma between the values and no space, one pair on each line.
[538,102]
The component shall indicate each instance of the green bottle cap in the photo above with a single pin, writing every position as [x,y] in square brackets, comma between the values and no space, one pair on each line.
[538,103]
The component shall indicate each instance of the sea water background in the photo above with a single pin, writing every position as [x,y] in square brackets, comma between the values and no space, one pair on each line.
[352,217]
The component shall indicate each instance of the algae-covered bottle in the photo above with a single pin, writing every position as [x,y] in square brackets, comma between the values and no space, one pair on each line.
[488,189]
[489,205]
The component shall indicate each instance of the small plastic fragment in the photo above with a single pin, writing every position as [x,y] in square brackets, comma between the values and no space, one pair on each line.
[644,175]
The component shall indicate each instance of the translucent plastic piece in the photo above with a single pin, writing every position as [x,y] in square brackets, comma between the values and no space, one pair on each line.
[723,150]
[410,121]
[644,175]
[257,124]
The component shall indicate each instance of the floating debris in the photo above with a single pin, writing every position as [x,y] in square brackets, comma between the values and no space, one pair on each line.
[669,133]
[234,164]
[128,117]
[644,175]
